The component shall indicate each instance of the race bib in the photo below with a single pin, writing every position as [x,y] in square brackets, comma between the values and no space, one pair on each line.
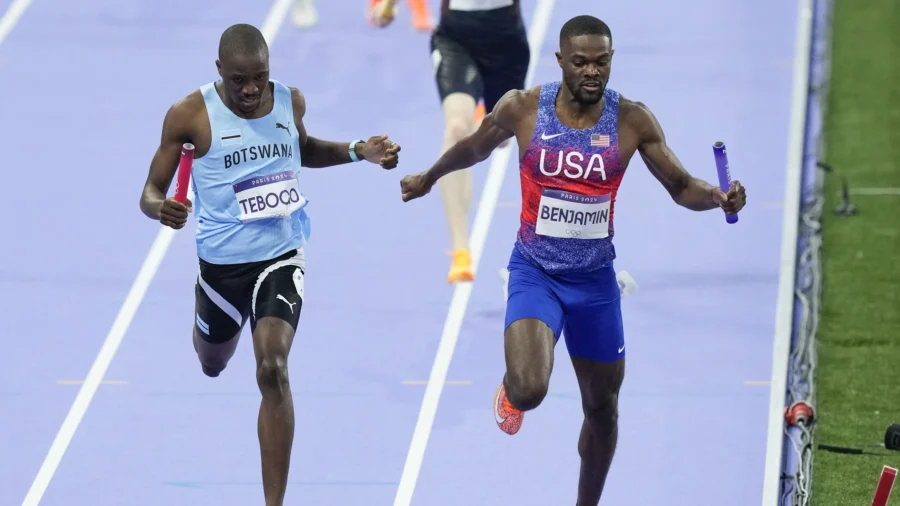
[573,216]
[271,196]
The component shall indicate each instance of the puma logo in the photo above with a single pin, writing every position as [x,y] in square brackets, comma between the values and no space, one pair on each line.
[279,125]
[281,297]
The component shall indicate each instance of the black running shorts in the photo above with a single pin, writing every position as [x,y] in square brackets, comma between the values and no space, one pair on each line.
[228,295]
[480,53]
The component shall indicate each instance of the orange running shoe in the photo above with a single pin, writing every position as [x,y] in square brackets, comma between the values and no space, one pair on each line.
[461,268]
[421,18]
[508,418]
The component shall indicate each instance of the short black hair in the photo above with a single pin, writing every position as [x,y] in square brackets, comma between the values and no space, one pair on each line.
[583,25]
[242,39]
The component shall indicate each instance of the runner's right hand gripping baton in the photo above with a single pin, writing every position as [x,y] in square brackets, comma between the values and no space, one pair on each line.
[184,172]
[721,157]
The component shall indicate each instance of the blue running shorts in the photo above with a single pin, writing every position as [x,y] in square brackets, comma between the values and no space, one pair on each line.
[586,307]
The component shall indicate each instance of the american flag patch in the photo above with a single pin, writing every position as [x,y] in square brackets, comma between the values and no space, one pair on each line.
[600,140]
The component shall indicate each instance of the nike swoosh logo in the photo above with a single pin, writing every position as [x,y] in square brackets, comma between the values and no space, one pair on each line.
[622,349]
[546,137]
[497,416]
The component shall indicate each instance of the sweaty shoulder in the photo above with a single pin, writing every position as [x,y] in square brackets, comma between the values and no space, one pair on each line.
[186,121]
[637,120]
[188,109]
[516,107]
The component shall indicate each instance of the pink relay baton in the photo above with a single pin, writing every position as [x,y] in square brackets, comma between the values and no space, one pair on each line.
[184,172]
[721,157]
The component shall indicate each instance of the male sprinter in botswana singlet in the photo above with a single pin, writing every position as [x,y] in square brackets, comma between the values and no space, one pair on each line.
[252,224]
[575,141]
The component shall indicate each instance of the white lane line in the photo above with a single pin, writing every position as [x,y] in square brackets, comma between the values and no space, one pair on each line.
[11,17]
[784,313]
[461,293]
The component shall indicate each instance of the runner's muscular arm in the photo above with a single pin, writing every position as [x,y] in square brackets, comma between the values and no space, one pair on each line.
[176,131]
[316,153]
[476,147]
[686,190]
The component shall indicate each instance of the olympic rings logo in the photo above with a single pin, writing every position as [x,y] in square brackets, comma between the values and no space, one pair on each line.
[573,233]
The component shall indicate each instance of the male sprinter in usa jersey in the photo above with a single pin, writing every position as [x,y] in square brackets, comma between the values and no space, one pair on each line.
[575,141]
[252,224]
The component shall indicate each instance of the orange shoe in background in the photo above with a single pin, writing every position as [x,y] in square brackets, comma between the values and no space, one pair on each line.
[461,268]
[421,18]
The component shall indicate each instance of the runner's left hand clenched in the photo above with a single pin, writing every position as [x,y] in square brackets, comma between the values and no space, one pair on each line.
[733,201]
[381,150]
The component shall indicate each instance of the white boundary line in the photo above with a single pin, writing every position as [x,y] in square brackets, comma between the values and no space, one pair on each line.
[784,315]
[460,300]
[126,314]
[11,17]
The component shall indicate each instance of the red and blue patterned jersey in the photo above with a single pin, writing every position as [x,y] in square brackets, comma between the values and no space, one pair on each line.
[569,179]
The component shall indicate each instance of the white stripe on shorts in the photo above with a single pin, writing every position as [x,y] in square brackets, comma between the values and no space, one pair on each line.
[220,301]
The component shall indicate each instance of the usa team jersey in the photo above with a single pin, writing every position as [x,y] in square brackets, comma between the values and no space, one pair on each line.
[569,181]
